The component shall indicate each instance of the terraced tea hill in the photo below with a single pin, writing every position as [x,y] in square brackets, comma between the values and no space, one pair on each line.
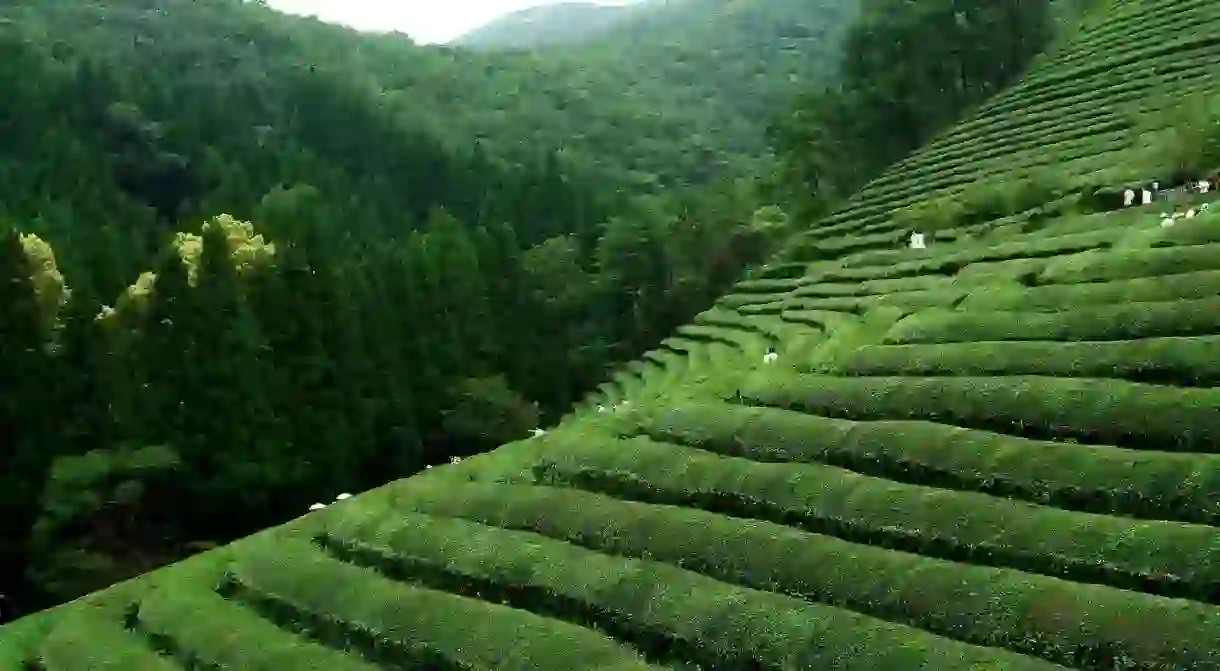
[1078,112]
[999,452]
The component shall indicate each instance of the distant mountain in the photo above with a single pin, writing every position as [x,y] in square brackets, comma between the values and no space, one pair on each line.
[674,91]
[546,25]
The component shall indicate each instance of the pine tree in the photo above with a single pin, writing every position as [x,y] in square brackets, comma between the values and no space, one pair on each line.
[231,431]
[81,394]
[26,407]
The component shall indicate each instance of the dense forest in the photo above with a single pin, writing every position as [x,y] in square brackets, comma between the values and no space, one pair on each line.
[559,23]
[907,71]
[674,101]
[251,260]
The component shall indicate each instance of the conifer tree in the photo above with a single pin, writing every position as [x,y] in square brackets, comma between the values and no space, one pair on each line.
[26,406]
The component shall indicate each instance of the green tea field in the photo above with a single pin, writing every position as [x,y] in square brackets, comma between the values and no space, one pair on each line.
[998,452]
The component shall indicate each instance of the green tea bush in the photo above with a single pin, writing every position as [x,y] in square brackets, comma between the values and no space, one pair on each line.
[825,320]
[1063,297]
[948,264]
[735,301]
[750,329]
[995,199]
[843,304]
[838,247]
[914,300]
[1192,145]
[994,158]
[875,517]
[1203,229]
[98,643]
[906,300]
[874,287]
[1098,410]
[766,286]
[1088,626]
[403,625]
[886,257]
[1183,362]
[710,334]
[224,634]
[931,215]
[716,624]
[681,346]
[1169,558]
[1118,321]
[19,640]
[1129,220]
[726,319]
[1098,266]
[773,308]
[999,272]
[675,365]
[828,290]
[1091,478]
[781,271]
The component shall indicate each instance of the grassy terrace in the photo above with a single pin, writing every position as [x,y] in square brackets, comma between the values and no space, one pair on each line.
[1001,452]
[1072,113]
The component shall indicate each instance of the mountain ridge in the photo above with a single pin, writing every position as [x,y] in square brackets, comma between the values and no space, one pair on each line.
[570,22]
[869,455]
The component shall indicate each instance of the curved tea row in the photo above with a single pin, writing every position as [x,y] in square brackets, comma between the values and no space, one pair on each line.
[1001,451]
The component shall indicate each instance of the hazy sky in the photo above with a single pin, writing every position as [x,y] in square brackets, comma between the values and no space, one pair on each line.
[423,20]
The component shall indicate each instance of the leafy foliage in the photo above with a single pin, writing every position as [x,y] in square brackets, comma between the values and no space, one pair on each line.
[114,505]
[908,70]
[486,412]
[545,25]
[904,481]
[428,278]
[1192,150]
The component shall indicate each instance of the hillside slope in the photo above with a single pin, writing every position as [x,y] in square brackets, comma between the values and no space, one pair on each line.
[704,76]
[730,56]
[207,107]
[998,452]
[543,26]
[623,112]
[515,290]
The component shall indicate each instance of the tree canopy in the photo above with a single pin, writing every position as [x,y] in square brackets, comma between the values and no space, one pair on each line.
[251,260]
[297,259]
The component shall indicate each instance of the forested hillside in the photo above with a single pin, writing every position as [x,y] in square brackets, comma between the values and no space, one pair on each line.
[546,25]
[996,450]
[429,294]
[738,61]
[696,80]
[447,249]
[626,113]
[908,71]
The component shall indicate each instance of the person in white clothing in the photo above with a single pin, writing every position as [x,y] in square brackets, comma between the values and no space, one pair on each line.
[1128,197]
[1147,197]
[917,241]
[770,356]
